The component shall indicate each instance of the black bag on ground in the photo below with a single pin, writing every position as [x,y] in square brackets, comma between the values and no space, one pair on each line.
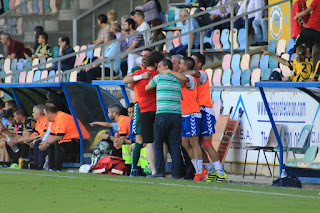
[289,181]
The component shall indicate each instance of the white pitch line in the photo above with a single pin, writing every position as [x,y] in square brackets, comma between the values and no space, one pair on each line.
[165,184]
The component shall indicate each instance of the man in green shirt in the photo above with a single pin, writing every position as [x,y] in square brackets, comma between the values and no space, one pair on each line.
[167,125]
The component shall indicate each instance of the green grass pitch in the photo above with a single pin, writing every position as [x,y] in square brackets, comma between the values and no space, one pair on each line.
[43,191]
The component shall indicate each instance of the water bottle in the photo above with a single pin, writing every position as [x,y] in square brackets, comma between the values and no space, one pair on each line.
[14,148]
[283,174]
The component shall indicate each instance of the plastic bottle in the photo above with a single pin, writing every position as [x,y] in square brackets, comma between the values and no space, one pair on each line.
[14,148]
[283,173]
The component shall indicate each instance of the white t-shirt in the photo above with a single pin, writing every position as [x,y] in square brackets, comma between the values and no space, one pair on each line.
[146,36]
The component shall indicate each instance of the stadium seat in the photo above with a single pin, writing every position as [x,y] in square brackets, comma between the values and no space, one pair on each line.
[235,38]
[53,6]
[236,75]
[216,40]
[44,74]
[245,77]
[48,65]
[35,62]
[217,108]
[24,9]
[272,46]
[40,5]
[176,17]
[310,155]
[76,48]
[20,64]
[30,75]
[235,62]
[171,18]
[55,52]
[19,27]
[89,53]
[273,63]
[264,62]
[216,96]
[209,72]
[265,74]
[73,76]
[7,70]
[216,79]
[46,5]
[293,56]
[22,77]
[169,43]
[285,70]
[242,39]
[255,77]
[13,64]
[37,75]
[43,60]
[35,7]
[29,7]
[51,73]
[254,63]
[80,56]
[290,45]
[303,142]
[313,164]
[226,62]
[225,39]
[245,62]
[6,5]
[226,77]
[281,46]
[58,78]
[97,52]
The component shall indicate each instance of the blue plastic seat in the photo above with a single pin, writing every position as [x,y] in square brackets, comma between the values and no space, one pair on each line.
[245,77]
[264,62]
[225,39]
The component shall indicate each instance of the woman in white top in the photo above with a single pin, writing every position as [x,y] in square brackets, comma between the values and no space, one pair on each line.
[102,21]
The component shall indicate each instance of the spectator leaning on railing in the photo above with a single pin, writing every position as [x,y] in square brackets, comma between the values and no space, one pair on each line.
[16,49]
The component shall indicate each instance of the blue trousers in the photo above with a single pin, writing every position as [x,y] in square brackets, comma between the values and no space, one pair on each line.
[167,128]
[39,156]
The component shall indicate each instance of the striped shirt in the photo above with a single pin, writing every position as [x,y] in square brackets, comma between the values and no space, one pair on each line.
[138,38]
[168,93]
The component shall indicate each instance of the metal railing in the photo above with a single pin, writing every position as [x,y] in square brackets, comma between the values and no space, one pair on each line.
[104,45]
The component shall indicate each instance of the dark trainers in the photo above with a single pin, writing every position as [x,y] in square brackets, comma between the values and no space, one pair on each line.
[156,176]
[133,173]
[212,177]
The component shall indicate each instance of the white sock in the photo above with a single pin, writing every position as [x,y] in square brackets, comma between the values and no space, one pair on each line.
[198,166]
[193,161]
[209,167]
[218,166]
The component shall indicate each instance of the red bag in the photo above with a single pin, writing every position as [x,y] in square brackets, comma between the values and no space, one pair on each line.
[110,165]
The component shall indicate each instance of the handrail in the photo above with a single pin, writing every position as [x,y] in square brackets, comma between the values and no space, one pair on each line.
[146,46]
[84,14]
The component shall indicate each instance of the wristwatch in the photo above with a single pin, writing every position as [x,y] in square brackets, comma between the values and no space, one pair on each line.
[47,144]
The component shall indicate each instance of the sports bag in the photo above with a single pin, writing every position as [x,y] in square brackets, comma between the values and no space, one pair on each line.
[110,165]
[275,76]
[289,181]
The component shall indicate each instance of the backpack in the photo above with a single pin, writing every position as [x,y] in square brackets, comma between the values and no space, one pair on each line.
[110,165]
[204,19]
[289,181]
[275,76]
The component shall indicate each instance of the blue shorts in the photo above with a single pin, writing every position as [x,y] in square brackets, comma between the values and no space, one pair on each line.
[208,121]
[191,125]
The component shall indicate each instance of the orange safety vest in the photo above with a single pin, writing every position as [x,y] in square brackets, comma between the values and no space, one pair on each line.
[189,103]
[204,97]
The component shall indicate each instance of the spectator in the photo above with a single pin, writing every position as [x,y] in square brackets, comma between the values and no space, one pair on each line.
[142,25]
[44,49]
[113,49]
[15,48]
[123,19]
[37,31]
[151,9]
[248,6]
[116,29]
[316,63]
[261,29]
[66,138]
[297,26]
[207,3]
[133,42]
[311,32]
[157,35]
[65,49]
[167,124]
[102,21]
[112,16]
[9,130]
[194,37]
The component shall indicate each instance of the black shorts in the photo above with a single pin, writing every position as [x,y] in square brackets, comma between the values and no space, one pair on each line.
[146,123]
